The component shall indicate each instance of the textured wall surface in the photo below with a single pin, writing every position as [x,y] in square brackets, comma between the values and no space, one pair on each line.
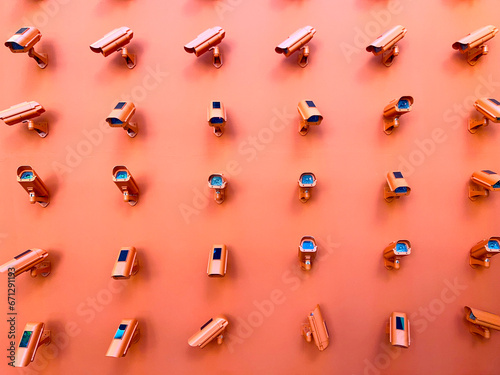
[265,295]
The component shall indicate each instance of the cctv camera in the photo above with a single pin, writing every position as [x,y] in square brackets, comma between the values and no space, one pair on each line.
[33,260]
[473,44]
[217,261]
[385,44]
[120,118]
[482,182]
[34,335]
[307,252]
[126,183]
[33,185]
[316,329]
[116,41]
[481,321]
[216,116]
[217,182]
[399,330]
[307,181]
[206,41]
[212,329]
[481,253]
[296,41]
[126,265]
[490,109]
[25,112]
[396,186]
[24,40]
[395,109]
[128,333]
[309,114]
[394,252]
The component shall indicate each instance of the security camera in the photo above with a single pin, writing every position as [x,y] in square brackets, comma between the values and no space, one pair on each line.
[217,182]
[216,116]
[128,333]
[316,329]
[33,185]
[399,330]
[115,41]
[307,181]
[385,44]
[212,329]
[208,41]
[490,109]
[309,114]
[24,40]
[296,41]
[33,260]
[481,321]
[217,261]
[34,335]
[481,253]
[126,265]
[473,44]
[482,182]
[394,110]
[120,118]
[24,113]
[394,252]
[396,186]
[307,252]
[126,183]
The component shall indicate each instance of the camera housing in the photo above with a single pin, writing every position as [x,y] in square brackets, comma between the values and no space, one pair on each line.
[394,252]
[126,265]
[396,186]
[307,252]
[33,185]
[385,44]
[399,330]
[120,118]
[307,181]
[115,41]
[490,109]
[34,335]
[208,41]
[217,182]
[316,329]
[217,261]
[394,110]
[473,45]
[33,260]
[217,117]
[481,253]
[309,114]
[298,40]
[482,182]
[24,113]
[212,329]
[128,333]
[481,321]
[24,40]
[126,183]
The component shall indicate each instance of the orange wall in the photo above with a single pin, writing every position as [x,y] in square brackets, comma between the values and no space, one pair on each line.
[262,155]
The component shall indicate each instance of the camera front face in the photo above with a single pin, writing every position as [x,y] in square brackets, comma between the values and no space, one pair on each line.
[307,180]
[402,248]
[216,181]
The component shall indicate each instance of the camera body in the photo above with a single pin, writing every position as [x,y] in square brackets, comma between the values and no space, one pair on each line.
[206,41]
[394,252]
[217,261]
[296,41]
[33,336]
[217,182]
[126,184]
[309,115]
[307,181]
[307,252]
[24,40]
[128,333]
[481,253]
[316,329]
[385,44]
[33,260]
[25,112]
[120,118]
[115,41]
[394,110]
[481,322]
[482,182]
[217,117]
[489,108]
[399,330]
[473,45]
[33,184]
[212,329]
[396,186]
[126,265]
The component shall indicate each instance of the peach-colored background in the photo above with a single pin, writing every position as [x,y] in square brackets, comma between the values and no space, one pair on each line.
[265,295]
